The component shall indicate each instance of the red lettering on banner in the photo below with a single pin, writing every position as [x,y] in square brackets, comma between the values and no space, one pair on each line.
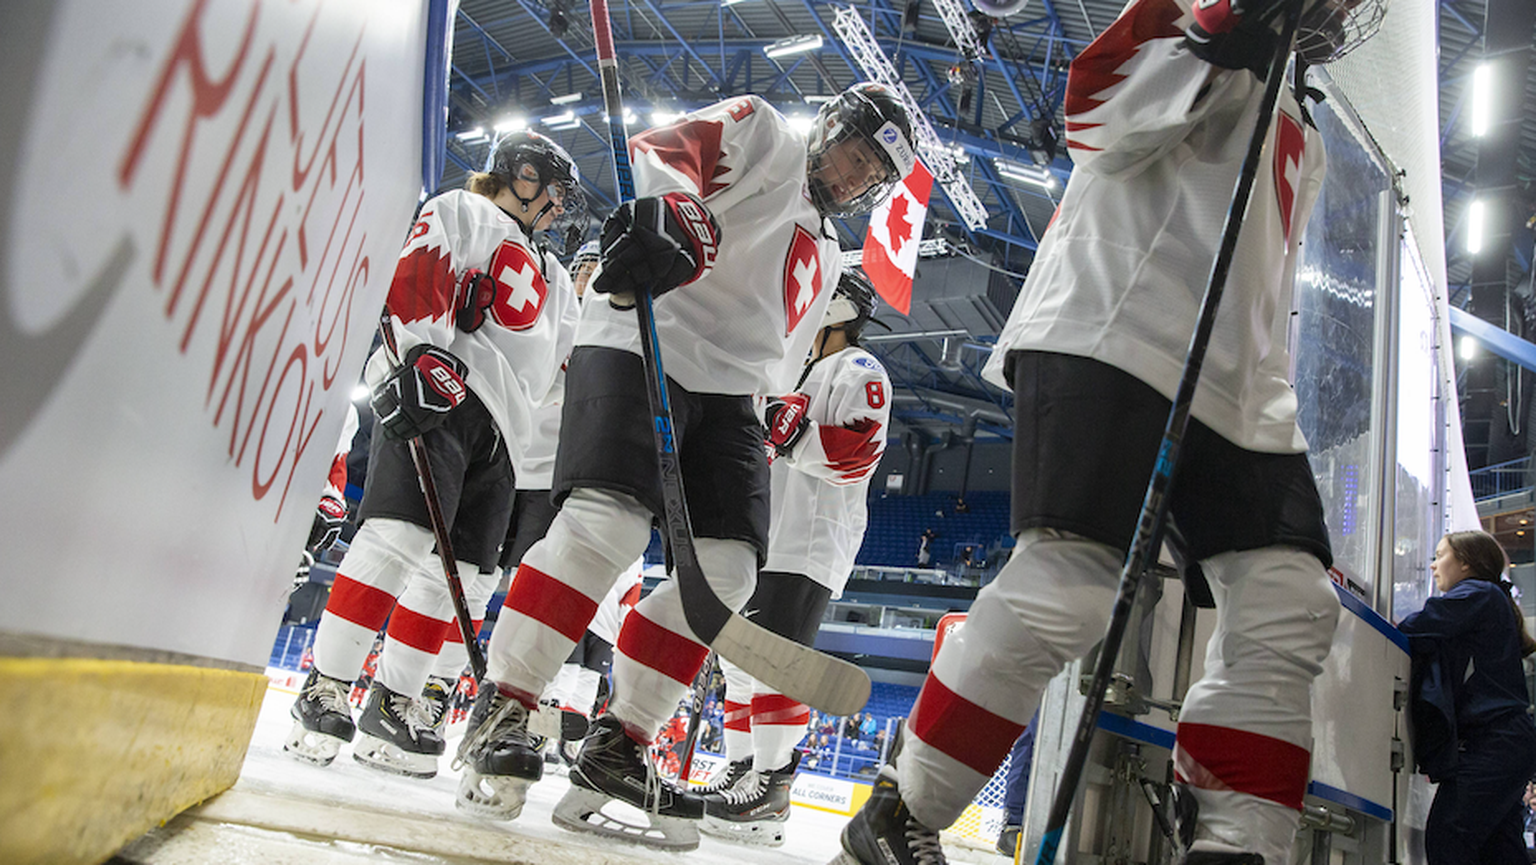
[267,251]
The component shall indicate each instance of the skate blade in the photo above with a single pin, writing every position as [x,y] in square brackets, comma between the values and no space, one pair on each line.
[383,756]
[595,813]
[493,797]
[307,746]
[758,833]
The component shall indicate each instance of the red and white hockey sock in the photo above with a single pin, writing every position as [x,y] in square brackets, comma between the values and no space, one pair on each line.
[383,555]
[657,655]
[556,589]
[423,619]
[778,725]
[738,712]
[453,658]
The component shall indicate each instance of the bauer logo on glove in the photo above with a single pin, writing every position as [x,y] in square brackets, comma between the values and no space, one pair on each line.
[417,397]
[787,421]
[653,245]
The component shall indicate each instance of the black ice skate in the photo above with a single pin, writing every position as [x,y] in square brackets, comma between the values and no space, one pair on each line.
[753,810]
[734,772]
[322,720]
[1211,853]
[884,832]
[499,758]
[612,766]
[397,735]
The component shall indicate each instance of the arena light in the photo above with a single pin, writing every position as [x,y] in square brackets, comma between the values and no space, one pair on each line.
[360,393]
[511,124]
[665,118]
[475,134]
[1468,348]
[800,123]
[1475,228]
[793,45]
[567,99]
[1025,173]
[1482,98]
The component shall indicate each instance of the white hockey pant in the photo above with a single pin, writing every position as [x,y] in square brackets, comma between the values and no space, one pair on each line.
[555,592]
[658,656]
[1245,729]
[774,723]
[380,562]
[1047,607]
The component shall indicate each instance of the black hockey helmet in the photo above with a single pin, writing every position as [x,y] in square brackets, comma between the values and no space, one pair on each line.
[872,112]
[527,155]
[853,306]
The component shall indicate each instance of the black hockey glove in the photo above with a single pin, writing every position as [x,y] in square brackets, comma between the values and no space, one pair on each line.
[654,245]
[787,421]
[330,515]
[1235,34]
[418,396]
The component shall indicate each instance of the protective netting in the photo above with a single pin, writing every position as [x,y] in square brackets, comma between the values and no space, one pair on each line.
[1391,83]
[982,820]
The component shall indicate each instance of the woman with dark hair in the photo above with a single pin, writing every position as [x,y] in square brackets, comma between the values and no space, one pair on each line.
[1476,635]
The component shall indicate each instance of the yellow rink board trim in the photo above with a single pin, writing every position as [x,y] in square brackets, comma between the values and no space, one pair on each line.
[97,752]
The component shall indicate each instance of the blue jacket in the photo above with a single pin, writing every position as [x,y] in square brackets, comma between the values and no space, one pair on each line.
[1467,671]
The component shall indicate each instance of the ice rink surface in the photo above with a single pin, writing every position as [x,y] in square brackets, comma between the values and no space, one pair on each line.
[284,812]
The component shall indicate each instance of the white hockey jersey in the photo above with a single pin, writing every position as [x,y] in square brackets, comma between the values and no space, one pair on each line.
[1158,137]
[535,463]
[818,491]
[745,326]
[514,355]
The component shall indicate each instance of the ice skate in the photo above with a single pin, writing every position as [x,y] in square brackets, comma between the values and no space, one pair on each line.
[1008,840]
[322,720]
[884,832]
[612,766]
[397,735]
[498,757]
[733,773]
[753,810]
[436,698]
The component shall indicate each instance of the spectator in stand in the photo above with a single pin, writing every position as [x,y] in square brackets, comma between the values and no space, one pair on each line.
[961,507]
[867,726]
[925,547]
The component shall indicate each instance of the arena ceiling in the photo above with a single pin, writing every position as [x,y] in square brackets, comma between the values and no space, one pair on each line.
[535,60]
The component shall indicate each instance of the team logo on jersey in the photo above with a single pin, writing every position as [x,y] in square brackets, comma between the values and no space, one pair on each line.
[802,278]
[1290,142]
[867,362]
[520,287]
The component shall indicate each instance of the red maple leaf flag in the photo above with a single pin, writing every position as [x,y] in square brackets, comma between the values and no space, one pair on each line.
[890,249]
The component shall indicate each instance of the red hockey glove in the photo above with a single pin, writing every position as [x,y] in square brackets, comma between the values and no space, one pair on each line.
[418,396]
[477,291]
[329,517]
[787,421]
[656,244]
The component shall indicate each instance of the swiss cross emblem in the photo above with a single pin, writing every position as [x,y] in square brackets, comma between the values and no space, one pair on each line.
[520,287]
[802,278]
[1290,142]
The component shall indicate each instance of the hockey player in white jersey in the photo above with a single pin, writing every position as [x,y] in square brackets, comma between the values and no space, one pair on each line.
[1158,124]
[827,438]
[476,307]
[731,214]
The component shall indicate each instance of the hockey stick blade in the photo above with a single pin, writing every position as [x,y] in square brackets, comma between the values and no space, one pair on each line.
[827,684]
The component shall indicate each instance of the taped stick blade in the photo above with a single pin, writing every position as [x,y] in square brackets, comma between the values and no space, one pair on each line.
[825,683]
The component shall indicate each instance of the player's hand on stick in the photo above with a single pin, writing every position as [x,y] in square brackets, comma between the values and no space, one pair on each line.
[654,245]
[418,396]
[787,421]
[1235,34]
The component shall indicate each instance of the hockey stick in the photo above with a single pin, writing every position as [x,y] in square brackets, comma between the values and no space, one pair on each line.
[439,525]
[820,680]
[1154,507]
[700,694]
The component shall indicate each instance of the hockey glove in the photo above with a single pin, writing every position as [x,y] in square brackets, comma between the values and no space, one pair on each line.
[477,291]
[330,515]
[787,421]
[654,245]
[1234,34]
[418,396]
